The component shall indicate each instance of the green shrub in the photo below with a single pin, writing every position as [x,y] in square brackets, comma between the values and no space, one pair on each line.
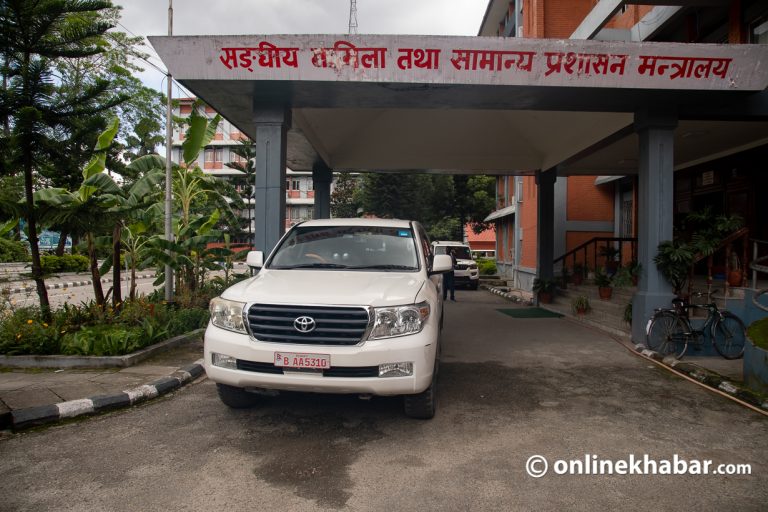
[758,333]
[487,267]
[13,250]
[67,263]
[90,330]
[103,340]
[23,332]
[185,320]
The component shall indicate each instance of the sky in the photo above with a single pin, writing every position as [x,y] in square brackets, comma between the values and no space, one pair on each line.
[200,17]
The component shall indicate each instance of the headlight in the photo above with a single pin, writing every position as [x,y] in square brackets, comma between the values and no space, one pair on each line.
[473,266]
[227,314]
[399,320]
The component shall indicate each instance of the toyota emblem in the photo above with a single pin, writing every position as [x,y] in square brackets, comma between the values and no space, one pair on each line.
[304,324]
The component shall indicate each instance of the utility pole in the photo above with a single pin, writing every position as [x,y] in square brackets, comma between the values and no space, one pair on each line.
[353,16]
[168,169]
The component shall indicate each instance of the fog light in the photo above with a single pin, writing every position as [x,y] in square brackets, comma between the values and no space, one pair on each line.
[395,369]
[223,361]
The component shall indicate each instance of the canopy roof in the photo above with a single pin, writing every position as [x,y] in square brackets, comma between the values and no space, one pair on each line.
[477,104]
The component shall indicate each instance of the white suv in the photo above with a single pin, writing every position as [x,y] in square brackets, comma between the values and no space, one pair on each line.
[466,272]
[340,306]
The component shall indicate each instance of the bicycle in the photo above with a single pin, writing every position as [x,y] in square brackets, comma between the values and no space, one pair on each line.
[669,330]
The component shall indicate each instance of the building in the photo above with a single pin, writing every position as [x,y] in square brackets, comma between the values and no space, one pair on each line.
[605,204]
[216,157]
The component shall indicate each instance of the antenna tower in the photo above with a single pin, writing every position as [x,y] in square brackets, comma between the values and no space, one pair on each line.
[353,16]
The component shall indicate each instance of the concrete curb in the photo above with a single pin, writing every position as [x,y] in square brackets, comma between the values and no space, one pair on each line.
[706,377]
[72,284]
[35,416]
[519,298]
[97,361]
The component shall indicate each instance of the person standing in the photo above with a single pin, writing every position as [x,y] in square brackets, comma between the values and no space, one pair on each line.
[448,281]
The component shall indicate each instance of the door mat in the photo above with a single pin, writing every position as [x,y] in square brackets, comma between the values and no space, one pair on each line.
[529,313]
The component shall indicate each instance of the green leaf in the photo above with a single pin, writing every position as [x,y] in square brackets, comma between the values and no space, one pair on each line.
[194,138]
[148,163]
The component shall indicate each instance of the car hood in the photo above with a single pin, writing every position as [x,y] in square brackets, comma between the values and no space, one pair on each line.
[460,261]
[331,287]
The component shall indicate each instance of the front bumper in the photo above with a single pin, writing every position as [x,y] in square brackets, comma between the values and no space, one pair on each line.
[416,348]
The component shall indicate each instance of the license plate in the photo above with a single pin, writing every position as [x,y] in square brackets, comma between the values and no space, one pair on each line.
[293,360]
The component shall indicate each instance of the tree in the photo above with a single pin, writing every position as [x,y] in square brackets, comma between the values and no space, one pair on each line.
[33,35]
[247,182]
[345,200]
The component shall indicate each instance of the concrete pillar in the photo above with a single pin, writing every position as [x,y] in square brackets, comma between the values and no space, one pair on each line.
[271,140]
[322,177]
[545,241]
[655,208]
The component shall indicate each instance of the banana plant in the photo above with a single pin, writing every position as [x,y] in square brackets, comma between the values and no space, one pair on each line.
[198,207]
[84,211]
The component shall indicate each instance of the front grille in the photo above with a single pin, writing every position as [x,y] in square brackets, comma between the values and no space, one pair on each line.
[333,325]
[335,371]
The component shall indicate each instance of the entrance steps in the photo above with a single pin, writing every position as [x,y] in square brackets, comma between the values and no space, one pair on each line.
[606,315]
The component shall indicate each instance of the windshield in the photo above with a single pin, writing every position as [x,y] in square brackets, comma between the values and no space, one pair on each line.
[460,251]
[348,247]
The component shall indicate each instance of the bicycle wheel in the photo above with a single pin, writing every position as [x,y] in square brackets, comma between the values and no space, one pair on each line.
[667,334]
[729,335]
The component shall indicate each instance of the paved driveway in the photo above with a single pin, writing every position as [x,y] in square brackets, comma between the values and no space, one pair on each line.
[510,389]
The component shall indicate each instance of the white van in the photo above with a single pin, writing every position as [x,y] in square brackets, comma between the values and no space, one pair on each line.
[466,272]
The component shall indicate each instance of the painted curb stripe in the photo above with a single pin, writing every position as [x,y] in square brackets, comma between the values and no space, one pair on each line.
[33,416]
[75,408]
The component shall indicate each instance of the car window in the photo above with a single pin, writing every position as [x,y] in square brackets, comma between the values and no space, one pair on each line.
[460,251]
[373,248]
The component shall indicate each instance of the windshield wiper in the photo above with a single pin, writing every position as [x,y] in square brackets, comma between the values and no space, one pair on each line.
[311,265]
[384,267]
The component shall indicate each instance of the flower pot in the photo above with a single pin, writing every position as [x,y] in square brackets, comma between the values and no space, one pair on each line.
[734,278]
[545,297]
[581,311]
[605,292]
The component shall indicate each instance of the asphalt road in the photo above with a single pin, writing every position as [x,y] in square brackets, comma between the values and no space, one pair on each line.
[509,389]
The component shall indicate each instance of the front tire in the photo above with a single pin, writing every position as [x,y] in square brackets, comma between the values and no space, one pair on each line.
[729,335]
[236,398]
[423,405]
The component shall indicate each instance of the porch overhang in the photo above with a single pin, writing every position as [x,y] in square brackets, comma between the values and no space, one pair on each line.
[476,105]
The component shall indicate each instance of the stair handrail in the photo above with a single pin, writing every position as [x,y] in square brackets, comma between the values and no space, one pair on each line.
[594,241]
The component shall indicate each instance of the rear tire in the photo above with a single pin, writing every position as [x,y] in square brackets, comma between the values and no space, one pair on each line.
[729,335]
[236,398]
[667,334]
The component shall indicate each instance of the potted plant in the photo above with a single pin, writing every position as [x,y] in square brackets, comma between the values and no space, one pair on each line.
[604,284]
[628,313]
[544,288]
[580,305]
[635,269]
[622,278]
[610,254]
[735,274]
[578,273]
[674,260]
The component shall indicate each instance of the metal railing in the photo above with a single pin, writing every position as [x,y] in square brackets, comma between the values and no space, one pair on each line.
[590,250]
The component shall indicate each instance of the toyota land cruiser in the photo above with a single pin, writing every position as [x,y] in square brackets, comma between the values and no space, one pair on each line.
[339,306]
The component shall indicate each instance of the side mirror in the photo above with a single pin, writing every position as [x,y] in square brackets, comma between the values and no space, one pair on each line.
[441,263]
[255,259]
